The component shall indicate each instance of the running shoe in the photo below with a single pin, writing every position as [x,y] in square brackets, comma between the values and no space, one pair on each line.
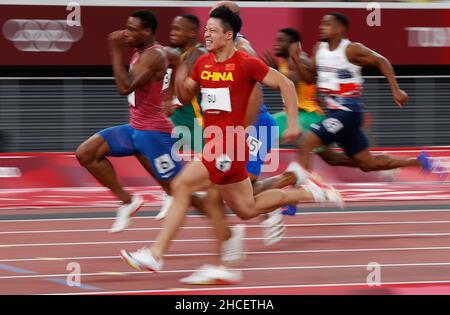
[124,214]
[213,275]
[323,192]
[233,248]
[165,208]
[142,259]
[273,228]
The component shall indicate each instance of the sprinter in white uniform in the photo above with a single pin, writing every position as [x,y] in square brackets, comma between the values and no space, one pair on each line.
[336,68]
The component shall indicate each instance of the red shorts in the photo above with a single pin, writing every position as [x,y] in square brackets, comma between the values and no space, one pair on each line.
[228,165]
[236,173]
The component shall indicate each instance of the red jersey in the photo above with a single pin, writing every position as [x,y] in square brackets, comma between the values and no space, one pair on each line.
[147,102]
[226,87]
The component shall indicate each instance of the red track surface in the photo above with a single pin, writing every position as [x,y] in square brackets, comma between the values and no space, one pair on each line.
[97,196]
[322,253]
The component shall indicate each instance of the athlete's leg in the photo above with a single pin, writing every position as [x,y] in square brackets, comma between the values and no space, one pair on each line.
[356,146]
[239,197]
[165,184]
[364,160]
[368,162]
[214,208]
[92,155]
[272,199]
[267,134]
[333,158]
[307,144]
[157,149]
[338,126]
[159,159]
[310,120]
[200,202]
[193,177]
[278,181]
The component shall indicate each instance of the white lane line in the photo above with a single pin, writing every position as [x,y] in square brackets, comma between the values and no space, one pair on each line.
[102,230]
[233,215]
[364,266]
[293,286]
[66,219]
[248,239]
[372,211]
[190,290]
[100,218]
[248,226]
[274,252]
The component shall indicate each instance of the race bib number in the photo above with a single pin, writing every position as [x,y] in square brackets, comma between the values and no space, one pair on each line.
[132,99]
[253,145]
[167,77]
[164,163]
[217,99]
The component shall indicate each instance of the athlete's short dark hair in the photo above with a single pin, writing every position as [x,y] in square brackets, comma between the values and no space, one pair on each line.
[230,20]
[292,33]
[192,19]
[341,18]
[148,19]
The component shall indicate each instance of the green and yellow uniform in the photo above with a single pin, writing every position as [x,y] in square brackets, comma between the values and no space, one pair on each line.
[190,116]
[309,111]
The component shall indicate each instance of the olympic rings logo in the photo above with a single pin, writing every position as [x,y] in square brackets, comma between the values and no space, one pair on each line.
[42,35]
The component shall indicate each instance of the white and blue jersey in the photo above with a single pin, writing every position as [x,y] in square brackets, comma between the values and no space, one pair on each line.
[339,83]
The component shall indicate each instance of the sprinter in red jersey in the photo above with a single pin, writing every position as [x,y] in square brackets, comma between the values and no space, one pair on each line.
[225,77]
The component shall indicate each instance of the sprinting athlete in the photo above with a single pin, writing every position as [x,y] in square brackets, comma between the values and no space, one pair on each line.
[261,138]
[336,68]
[187,118]
[310,112]
[147,136]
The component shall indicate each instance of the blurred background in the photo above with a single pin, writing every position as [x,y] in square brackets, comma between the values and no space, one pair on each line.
[55,92]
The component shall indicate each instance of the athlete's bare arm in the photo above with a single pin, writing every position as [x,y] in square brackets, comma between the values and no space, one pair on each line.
[189,62]
[192,57]
[306,68]
[245,46]
[278,81]
[360,55]
[174,60]
[270,60]
[151,64]
[185,88]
